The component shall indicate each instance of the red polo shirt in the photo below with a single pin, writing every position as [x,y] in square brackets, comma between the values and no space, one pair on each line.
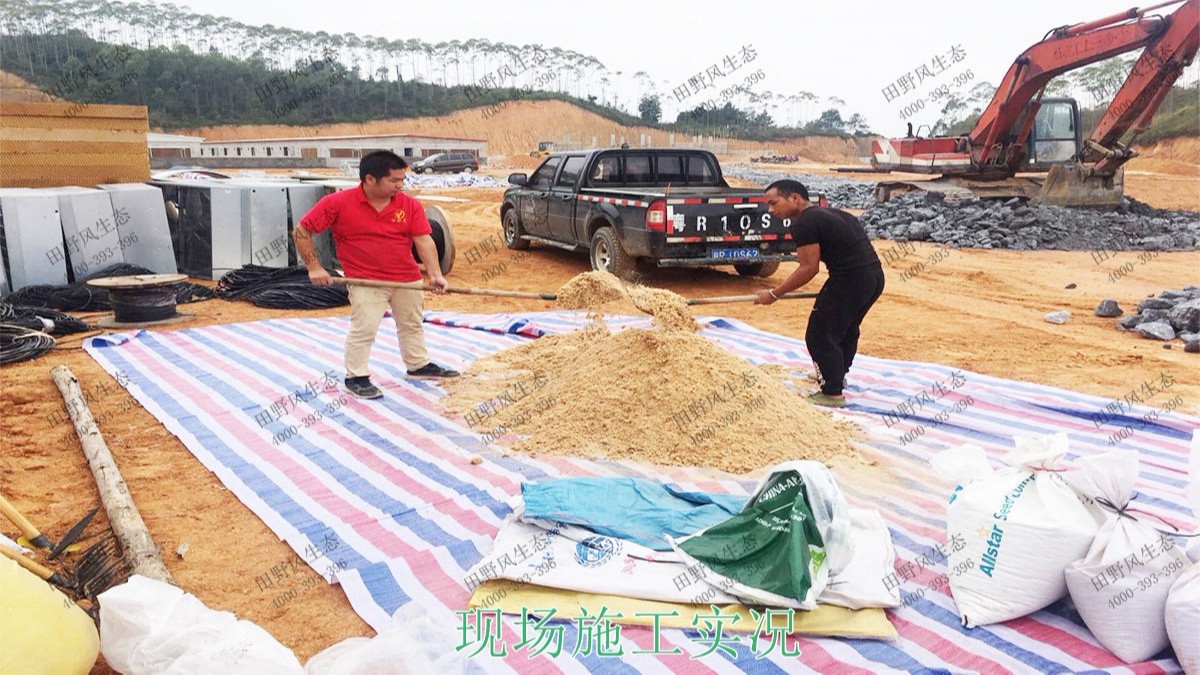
[371,244]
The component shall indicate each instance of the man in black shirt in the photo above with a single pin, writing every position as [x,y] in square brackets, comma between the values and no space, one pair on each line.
[855,282]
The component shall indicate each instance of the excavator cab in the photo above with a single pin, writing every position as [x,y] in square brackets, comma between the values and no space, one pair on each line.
[1056,147]
[1057,134]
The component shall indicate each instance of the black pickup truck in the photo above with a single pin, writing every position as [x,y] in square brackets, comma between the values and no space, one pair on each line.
[664,206]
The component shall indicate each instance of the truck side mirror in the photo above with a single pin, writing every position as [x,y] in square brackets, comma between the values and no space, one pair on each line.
[518,179]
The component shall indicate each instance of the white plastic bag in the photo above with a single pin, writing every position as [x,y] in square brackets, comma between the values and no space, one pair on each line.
[417,642]
[863,582]
[594,564]
[1182,613]
[150,627]
[1183,601]
[1120,587]
[1020,529]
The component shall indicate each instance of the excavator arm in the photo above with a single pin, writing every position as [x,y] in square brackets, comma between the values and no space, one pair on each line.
[1149,82]
[1170,45]
[985,162]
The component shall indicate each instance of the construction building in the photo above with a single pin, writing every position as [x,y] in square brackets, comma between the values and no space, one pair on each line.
[330,151]
[173,145]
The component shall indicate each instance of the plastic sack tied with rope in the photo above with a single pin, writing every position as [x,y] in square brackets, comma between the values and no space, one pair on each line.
[1120,587]
[1020,528]
[1183,601]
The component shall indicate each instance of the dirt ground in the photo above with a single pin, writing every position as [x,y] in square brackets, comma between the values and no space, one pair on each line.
[980,310]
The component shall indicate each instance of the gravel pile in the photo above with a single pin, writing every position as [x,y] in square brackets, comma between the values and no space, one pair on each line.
[842,193]
[1174,313]
[448,180]
[1016,225]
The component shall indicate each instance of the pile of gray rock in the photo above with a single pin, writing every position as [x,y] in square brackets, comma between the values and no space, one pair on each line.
[1013,224]
[1174,313]
[842,193]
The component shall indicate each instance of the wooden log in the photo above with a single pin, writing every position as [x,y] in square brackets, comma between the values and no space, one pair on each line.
[124,517]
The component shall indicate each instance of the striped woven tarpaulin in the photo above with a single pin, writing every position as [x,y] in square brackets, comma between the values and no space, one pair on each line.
[386,489]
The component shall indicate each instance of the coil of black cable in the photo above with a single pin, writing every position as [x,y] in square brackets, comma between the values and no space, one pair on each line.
[79,297]
[18,343]
[279,288]
[41,318]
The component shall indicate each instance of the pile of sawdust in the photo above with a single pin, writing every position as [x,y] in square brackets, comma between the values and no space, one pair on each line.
[590,289]
[669,309]
[664,397]
[600,292]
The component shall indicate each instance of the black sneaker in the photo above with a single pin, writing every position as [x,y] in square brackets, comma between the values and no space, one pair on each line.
[361,387]
[431,371]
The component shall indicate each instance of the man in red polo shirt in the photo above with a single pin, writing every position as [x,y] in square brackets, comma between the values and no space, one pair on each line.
[374,228]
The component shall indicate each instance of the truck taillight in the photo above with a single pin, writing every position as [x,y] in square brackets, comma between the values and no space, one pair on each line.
[656,216]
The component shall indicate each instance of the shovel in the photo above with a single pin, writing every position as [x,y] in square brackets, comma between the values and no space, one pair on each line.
[717,299]
[544,296]
[450,289]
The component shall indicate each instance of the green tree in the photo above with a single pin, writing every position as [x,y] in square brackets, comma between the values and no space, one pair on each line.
[650,109]
[830,122]
[857,124]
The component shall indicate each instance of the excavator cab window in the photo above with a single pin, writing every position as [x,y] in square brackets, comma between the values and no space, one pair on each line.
[1056,137]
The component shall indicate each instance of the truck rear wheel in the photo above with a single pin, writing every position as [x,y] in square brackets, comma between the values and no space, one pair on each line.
[762,269]
[513,232]
[607,254]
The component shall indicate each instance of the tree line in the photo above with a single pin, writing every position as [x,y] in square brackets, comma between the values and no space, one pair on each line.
[397,77]
[186,90]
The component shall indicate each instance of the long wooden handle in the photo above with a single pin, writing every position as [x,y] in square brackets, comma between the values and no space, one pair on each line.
[44,573]
[451,289]
[31,533]
[744,298]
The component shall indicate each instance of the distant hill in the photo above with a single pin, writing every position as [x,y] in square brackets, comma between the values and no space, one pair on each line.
[183,89]
[517,128]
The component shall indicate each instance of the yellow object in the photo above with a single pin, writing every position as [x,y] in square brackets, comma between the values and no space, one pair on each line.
[826,620]
[42,630]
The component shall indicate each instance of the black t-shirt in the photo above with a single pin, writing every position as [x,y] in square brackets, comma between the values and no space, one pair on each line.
[844,243]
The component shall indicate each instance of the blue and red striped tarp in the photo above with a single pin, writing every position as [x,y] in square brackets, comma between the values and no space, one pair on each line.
[386,489]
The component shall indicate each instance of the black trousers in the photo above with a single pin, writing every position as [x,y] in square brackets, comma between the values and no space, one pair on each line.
[833,326]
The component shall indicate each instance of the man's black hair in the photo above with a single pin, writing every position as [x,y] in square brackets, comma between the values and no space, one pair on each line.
[788,187]
[380,164]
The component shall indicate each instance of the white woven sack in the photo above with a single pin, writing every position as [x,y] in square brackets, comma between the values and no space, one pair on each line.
[1019,529]
[1183,601]
[1120,587]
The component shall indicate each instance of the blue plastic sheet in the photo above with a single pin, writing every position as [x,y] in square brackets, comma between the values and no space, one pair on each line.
[638,510]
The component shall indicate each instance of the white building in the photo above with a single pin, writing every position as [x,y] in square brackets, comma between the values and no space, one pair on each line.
[333,150]
[173,145]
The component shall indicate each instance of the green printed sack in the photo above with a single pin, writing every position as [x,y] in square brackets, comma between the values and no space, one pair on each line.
[781,550]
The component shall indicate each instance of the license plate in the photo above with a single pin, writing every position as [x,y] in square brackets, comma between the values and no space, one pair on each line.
[733,253]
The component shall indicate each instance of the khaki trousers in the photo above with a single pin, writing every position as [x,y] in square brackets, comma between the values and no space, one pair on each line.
[367,305]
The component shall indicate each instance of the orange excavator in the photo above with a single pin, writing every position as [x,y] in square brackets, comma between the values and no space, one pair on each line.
[1020,131]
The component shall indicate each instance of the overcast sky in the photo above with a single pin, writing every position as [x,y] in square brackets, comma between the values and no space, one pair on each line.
[851,49]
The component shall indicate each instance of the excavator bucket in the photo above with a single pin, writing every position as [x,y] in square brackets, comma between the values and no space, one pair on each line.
[1069,185]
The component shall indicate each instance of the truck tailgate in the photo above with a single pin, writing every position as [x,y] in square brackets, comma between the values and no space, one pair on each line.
[722,219]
